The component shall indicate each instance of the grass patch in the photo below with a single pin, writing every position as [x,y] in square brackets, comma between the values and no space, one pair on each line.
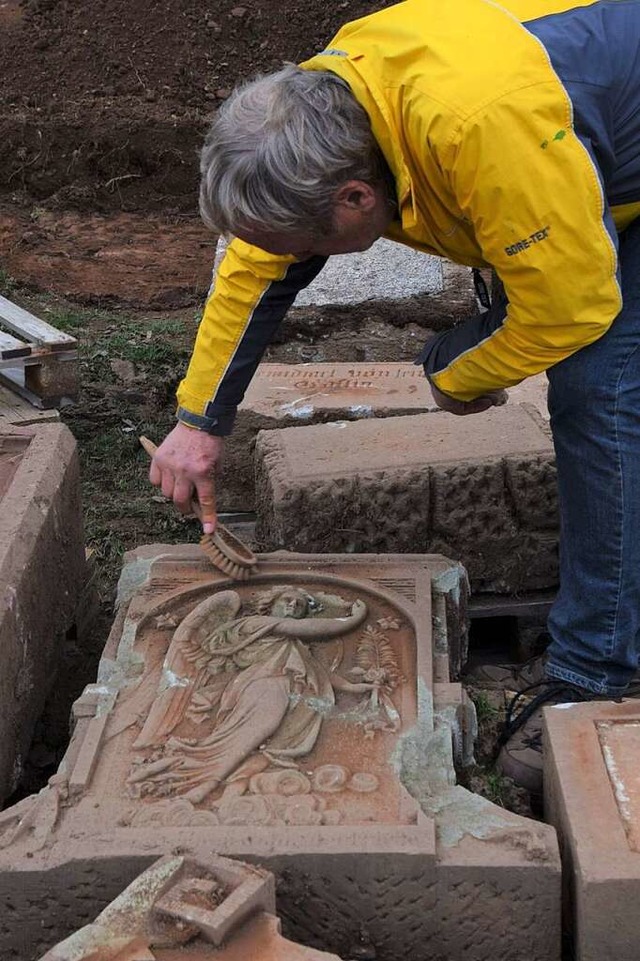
[486,710]
[130,366]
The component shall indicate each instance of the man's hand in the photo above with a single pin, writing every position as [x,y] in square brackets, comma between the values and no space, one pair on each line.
[495,398]
[183,467]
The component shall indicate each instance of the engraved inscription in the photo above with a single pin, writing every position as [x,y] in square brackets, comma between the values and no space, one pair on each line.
[344,377]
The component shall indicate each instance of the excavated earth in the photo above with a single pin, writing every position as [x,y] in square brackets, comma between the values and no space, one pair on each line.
[103,108]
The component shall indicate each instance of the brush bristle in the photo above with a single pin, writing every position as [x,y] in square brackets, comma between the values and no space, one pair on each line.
[218,559]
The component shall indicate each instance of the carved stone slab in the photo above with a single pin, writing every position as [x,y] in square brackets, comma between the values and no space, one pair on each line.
[481,489]
[592,796]
[294,395]
[290,720]
[42,572]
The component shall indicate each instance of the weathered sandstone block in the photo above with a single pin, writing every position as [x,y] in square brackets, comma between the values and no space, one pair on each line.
[481,489]
[294,395]
[42,573]
[217,910]
[288,720]
[592,797]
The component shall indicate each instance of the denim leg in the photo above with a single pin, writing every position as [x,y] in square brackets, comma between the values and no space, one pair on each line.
[594,401]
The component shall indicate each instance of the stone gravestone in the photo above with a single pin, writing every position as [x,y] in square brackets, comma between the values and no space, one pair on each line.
[288,720]
[296,395]
[592,796]
[481,489]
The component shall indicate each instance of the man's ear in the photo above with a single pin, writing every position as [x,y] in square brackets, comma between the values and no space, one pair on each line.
[356,195]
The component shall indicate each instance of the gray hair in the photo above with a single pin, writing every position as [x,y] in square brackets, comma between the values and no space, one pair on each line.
[278,149]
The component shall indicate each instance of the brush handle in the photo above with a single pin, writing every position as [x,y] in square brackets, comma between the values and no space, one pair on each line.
[242,559]
[148,445]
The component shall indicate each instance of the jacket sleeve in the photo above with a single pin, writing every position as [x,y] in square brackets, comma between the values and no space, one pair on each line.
[532,191]
[252,292]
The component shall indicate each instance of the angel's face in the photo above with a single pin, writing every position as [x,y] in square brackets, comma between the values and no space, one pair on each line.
[291,603]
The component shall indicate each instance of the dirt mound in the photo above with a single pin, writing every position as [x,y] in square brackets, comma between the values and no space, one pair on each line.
[104,102]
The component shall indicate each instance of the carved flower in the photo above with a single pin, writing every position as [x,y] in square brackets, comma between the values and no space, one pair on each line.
[388,623]
[287,783]
[249,809]
[330,778]
[176,813]
[363,782]
[332,816]
[301,810]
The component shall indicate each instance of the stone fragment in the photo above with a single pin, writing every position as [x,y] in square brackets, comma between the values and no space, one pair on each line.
[42,575]
[592,797]
[481,489]
[532,391]
[289,719]
[297,395]
[212,910]
[290,395]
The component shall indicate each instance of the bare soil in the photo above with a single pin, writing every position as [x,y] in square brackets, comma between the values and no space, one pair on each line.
[103,108]
[104,103]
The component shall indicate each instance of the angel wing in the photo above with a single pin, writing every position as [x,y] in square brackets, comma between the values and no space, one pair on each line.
[181,676]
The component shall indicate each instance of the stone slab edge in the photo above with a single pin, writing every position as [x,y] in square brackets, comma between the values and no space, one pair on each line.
[42,568]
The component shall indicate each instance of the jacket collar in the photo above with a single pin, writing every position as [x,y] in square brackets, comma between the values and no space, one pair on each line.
[353,70]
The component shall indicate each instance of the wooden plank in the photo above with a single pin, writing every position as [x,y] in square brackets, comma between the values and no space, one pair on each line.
[14,380]
[15,411]
[37,356]
[23,323]
[12,347]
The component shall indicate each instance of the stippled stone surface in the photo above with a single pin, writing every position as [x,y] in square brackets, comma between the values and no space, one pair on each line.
[42,573]
[348,796]
[186,910]
[387,271]
[592,797]
[481,489]
[429,291]
[294,395]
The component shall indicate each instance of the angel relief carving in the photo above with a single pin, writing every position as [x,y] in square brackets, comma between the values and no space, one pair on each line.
[254,686]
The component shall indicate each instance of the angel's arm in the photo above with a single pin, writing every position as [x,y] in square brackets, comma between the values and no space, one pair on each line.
[321,628]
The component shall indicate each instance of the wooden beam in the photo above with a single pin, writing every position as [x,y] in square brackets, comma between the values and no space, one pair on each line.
[36,357]
[27,325]
[12,347]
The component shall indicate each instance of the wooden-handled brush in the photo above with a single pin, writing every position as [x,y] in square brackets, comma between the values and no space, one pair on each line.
[224,549]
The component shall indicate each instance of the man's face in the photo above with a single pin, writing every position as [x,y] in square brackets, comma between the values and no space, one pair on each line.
[361,215]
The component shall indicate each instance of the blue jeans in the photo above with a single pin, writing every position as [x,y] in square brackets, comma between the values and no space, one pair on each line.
[594,402]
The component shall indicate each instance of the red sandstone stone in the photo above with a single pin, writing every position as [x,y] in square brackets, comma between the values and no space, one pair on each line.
[481,489]
[592,797]
[293,395]
[42,574]
[180,910]
[276,756]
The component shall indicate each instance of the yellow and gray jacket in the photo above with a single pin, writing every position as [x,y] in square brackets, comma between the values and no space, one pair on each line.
[513,133]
